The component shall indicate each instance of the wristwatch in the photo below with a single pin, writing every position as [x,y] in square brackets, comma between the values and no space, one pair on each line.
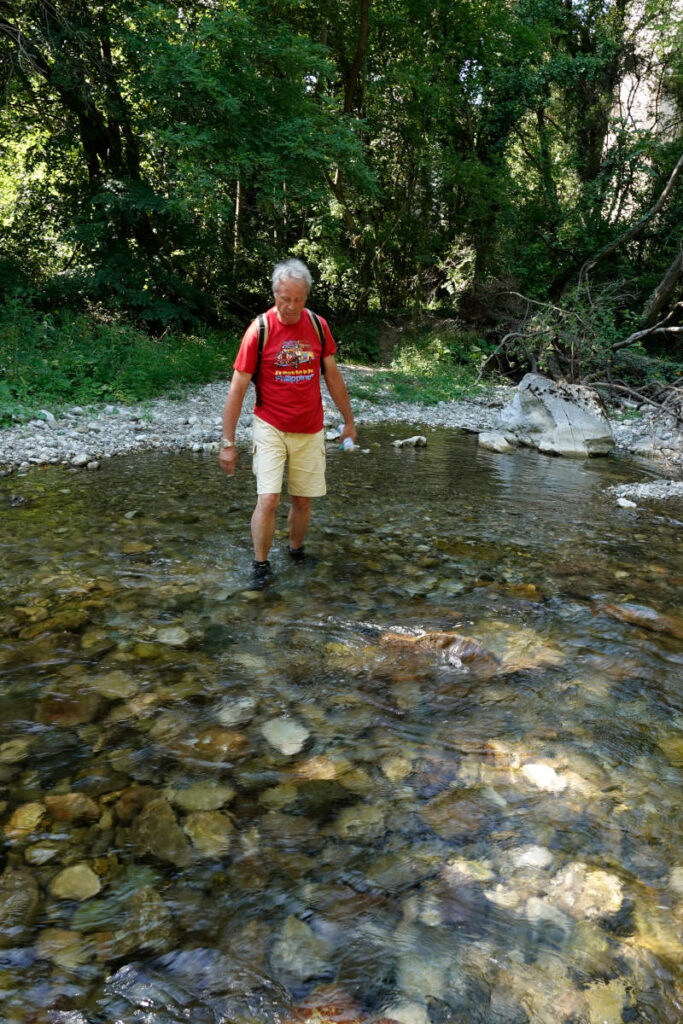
[225,443]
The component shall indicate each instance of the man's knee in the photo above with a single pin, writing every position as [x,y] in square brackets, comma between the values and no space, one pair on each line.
[300,504]
[267,503]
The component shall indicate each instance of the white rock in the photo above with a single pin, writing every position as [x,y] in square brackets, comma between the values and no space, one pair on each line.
[285,735]
[417,441]
[237,712]
[494,441]
[173,636]
[408,1013]
[559,419]
[532,857]
[676,879]
[625,503]
[544,777]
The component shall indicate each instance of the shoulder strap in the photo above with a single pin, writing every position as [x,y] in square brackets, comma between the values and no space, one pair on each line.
[315,320]
[262,327]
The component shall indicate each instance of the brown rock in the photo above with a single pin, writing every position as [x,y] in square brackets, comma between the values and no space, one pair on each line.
[156,831]
[132,800]
[68,708]
[456,813]
[25,820]
[646,618]
[453,647]
[216,744]
[72,807]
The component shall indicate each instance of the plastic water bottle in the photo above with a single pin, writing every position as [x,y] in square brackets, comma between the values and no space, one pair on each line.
[347,444]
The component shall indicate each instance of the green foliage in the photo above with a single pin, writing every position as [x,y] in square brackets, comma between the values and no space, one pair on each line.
[358,342]
[157,158]
[438,365]
[62,358]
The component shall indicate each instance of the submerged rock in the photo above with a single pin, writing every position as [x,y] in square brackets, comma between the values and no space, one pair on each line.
[148,925]
[646,618]
[77,882]
[416,441]
[72,807]
[24,821]
[210,831]
[65,948]
[454,648]
[298,954]
[68,707]
[494,441]
[156,831]
[214,744]
[206,795]
[585,893]
[19,903]
[285,734]
[361,822]
[457,813]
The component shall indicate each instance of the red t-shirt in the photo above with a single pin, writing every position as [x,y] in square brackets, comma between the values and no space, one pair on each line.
[289,374]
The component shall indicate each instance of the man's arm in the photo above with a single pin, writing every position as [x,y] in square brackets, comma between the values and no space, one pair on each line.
[231,414]
[339,395]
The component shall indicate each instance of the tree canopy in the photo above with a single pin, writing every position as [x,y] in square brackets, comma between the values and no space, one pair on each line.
[157,157]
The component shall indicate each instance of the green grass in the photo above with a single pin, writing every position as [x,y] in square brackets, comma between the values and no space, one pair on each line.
[57,359]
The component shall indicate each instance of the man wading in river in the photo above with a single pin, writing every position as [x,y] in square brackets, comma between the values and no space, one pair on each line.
[288,414]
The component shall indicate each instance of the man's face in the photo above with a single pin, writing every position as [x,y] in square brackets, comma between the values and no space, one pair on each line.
[290,299]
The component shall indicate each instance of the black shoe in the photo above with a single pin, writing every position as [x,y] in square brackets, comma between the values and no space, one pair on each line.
[261,574]
[297,555]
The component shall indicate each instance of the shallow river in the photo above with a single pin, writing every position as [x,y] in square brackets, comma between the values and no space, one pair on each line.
[431,776]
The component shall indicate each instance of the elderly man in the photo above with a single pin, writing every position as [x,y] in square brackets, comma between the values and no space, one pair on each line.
[285,350]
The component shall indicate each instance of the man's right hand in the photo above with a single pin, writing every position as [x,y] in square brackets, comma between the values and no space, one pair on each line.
[228,460]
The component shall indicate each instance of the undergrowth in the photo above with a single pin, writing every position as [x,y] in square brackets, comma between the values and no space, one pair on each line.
[62,358]
[434,365]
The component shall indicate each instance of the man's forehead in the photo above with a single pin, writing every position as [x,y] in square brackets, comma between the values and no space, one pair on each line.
[290,283]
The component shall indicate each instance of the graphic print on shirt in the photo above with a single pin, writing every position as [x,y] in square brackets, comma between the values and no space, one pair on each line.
[295,363]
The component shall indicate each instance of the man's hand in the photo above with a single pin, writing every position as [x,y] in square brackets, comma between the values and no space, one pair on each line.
[228,460]
[348,430]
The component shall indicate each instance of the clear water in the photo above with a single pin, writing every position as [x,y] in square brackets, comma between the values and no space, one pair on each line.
[470,831]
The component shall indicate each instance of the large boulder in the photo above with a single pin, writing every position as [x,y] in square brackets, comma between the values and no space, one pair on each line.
[559,419]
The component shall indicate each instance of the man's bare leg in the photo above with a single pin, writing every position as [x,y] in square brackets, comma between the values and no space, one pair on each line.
[263,525]
[298,520]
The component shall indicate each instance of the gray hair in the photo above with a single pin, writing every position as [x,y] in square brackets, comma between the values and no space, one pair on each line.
[294,269]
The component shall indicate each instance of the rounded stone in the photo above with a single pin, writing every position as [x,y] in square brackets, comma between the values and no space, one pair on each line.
[285,735]
[78,882]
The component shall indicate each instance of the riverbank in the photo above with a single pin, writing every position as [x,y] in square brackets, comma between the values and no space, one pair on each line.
[81,438]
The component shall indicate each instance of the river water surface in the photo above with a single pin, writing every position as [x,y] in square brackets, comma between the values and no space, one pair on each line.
[430,776]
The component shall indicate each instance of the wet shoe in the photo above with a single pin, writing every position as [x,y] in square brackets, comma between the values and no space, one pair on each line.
[261,574]
[297,555]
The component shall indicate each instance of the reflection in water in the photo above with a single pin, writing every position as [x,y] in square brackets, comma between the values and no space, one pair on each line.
[431,776]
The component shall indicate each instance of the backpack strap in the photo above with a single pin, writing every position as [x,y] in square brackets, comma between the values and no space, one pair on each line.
[262,327]
[315,320]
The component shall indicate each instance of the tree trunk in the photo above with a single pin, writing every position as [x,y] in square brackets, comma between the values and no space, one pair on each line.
[664,292]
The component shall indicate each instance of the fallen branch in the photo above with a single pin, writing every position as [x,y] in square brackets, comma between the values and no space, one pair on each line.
[633,338]
[611,386]
[512,334]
